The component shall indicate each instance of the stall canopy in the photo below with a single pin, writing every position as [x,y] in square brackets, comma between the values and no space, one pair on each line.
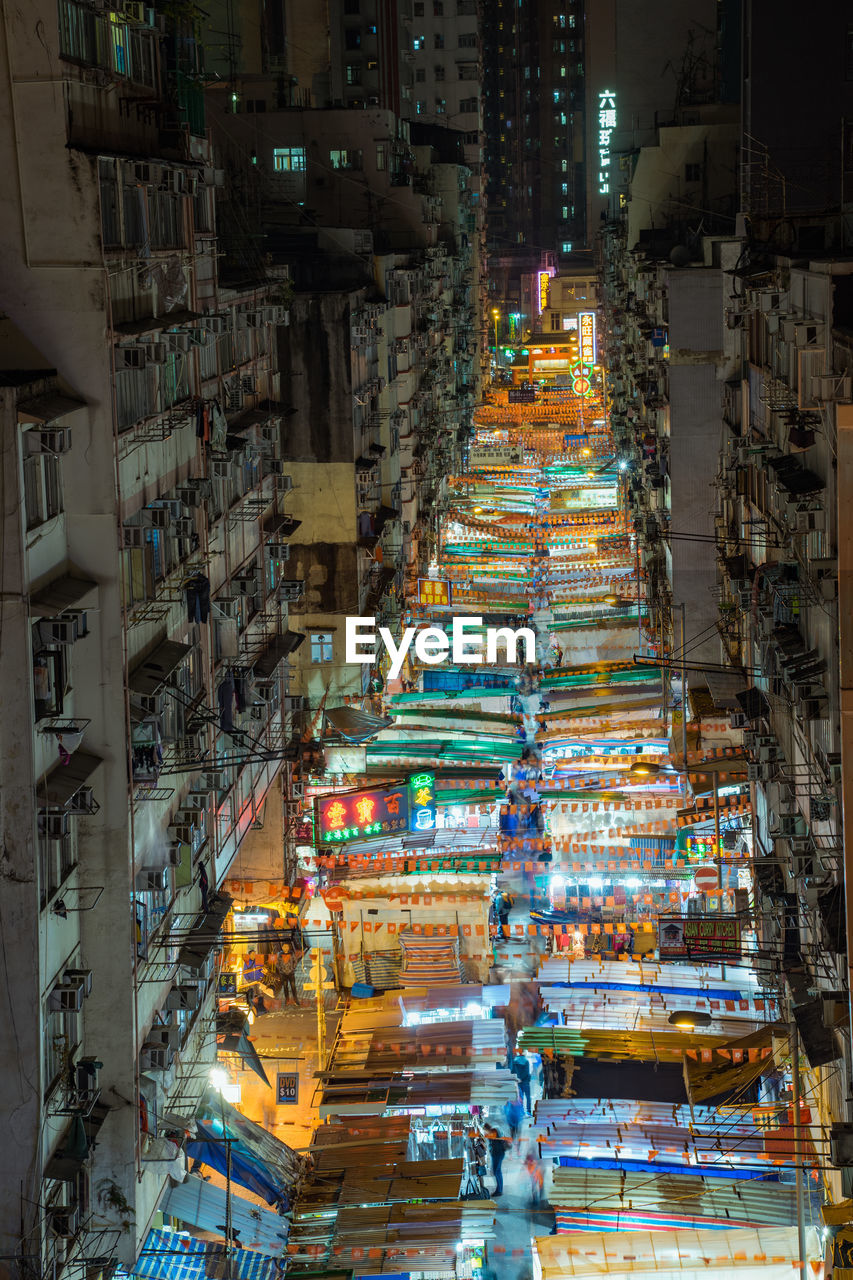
[259,1161]
[356,725]
[174,1255]
[232,1036]
[203,1204]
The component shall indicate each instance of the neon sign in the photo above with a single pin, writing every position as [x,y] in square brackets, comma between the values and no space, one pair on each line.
[544,290]
[587,337]
[606,125]
[363,815]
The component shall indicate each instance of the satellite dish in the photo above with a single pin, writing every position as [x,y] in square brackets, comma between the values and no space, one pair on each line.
[680,255]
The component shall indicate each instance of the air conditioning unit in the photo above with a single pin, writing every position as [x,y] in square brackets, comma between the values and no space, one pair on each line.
[190,497]
[184,996]
[184,528]
[179,341]
[259,711]
[215,324]
[158,353]
[278,551]
[131,357]
[293,702]
[169,1036]
[80,975]
[810,521]
[153,879]
[285,484]
[809,333]
[83,802]
[64,1222]
[158,1057]
[157,517]
[67,997]
[215,780]
[230,606]
[291,589]
[64,630]
[275,466]
[248,384]
[176,854]
[57,440]
[133,536]
[135,11]
[221,469]
[55,825]
[271,434]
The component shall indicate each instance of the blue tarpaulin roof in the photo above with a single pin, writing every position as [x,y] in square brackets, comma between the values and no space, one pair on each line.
[209,1147]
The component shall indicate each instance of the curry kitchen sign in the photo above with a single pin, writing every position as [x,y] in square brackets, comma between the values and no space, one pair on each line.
[466,644]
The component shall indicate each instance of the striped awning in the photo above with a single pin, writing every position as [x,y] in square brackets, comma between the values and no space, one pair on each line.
[176,1255]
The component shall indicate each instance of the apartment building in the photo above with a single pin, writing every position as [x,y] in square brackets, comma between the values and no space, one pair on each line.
[145,525]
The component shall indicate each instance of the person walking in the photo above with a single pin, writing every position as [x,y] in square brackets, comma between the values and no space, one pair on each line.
[520,1068]
[286,966]
[537,1180]
[497,1150]
[514,1112]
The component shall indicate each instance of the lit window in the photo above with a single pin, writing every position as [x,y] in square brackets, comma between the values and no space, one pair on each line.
[321,646]
[566,248]
[440,106]
[565,212]
[418,43]
[288,159]
[350,159]
[380,157]
[354,73]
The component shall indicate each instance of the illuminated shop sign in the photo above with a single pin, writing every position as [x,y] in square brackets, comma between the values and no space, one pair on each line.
[363,815]
[587,339]
[606,125]
[433,591]
[544,290]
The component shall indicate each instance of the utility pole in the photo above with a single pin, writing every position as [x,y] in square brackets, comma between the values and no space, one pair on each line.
[794,1045]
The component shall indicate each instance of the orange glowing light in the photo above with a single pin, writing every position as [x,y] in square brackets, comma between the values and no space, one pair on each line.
[364,809]
[335,814]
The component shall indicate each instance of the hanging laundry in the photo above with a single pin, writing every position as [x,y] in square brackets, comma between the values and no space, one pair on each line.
[197,591]
[241,690]
[225,698]
[218,427]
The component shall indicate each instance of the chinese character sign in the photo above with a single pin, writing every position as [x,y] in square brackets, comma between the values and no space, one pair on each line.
[433,591]
[699,937]
[360,815]
[606,125]
[422,801]
[587,337]
[544,290]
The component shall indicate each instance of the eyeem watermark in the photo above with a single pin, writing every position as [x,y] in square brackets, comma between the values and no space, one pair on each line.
[434,646]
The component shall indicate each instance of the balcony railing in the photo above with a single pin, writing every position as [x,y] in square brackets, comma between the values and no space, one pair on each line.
[103,40]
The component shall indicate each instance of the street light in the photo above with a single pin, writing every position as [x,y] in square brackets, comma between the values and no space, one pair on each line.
[644,769]
[496,315]
[689,1020]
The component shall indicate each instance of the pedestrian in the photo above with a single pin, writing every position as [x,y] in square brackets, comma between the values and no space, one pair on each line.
[537,1180]
[514,1112]
[520,1068]
[286,967]
[204,886]
[497,1150]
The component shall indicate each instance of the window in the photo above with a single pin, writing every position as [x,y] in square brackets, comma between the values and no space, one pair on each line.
[350,159]
[256,105]
[352,6]
[419,9]
[420,107]
[438,9]
[468,40]
[467,106]
[372,64]
[420,75]
[566,246]
[692,172]
[42,488]
[439,71]
[418,43]
[438,41]
[353,73]
[352,38]
[380,157]
[60,1039]
[440,106]
[565,213]
[556,320]
[321,646]
[288,159]
[57,859]
[466,8]
[371,30]
[564,188]
[468,71]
